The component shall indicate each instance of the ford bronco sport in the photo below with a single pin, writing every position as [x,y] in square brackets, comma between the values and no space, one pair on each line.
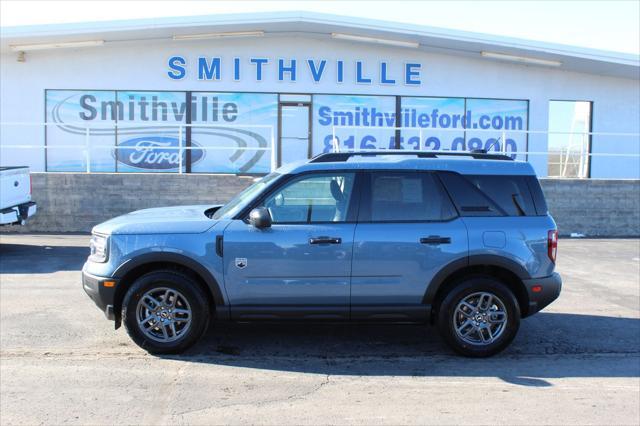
[460,240]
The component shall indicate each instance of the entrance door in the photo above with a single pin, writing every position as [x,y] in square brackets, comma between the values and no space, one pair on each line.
[295,132]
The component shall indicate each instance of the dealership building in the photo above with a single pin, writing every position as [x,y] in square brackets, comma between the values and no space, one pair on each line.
[239,95]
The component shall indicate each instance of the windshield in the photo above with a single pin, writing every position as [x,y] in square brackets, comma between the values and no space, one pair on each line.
[242,199]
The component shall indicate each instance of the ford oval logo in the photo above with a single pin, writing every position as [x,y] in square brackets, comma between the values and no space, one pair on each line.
[155,153]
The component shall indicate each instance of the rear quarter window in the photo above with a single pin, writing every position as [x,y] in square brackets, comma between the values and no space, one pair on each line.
[511,193]
[468,199]
[537,195]
[495,195]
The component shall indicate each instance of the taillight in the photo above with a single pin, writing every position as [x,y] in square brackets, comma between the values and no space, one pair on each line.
[552,244]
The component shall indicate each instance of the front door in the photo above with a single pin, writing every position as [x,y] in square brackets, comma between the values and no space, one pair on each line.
[295,132]
[407,231]
[300,266]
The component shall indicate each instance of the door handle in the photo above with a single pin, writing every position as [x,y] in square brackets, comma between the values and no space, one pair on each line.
[325,240]
[435,239]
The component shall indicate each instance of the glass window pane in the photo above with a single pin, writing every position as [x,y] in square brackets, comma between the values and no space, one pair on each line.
[511,193]
[234,131]
[497,125]
[150,131]
[294,133]
[469,200]
[406,197]
[433,124]
[69,114]
[569,148]
[316,198]
[240,201]
[360,122]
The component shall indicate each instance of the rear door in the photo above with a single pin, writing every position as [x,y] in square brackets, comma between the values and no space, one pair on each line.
[407,231]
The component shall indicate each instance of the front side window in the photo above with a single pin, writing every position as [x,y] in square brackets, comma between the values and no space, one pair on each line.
[242,199]
[312,198]
[405,197]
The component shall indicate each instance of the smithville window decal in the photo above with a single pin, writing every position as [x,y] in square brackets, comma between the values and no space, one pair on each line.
[148,126]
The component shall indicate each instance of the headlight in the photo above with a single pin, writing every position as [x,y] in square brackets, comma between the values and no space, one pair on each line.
[98,245]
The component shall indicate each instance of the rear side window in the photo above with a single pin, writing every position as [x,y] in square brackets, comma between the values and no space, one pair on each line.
[469,200]
[493,195]
[537,195]
[511,193]
[404,197]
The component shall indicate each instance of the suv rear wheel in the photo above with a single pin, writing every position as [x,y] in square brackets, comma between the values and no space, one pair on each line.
[165,312]
[479,317]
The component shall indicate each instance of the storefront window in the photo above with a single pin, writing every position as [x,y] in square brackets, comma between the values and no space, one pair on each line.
[235,131]
[432,124]
[457,124]
[497,125]
[359,122]
[69,113]
[220,132]
[569,145]
[150,130]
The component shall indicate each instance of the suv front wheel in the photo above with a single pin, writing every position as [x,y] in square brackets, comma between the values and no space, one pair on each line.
[165,312]
[479,317]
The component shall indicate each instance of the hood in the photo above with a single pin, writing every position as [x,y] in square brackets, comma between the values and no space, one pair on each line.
[160,220]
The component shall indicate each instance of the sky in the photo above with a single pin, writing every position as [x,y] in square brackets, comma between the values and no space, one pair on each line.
[607,25]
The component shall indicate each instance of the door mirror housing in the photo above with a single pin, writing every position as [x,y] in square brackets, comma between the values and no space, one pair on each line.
[260,218]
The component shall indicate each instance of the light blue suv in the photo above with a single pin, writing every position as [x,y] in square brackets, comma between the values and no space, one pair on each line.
[463,241]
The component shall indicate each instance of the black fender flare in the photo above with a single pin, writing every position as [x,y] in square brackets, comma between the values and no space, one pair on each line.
[179,259]
[474,260]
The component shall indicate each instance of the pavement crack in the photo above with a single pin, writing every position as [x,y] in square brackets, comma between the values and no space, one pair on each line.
[317,388]
[288,398]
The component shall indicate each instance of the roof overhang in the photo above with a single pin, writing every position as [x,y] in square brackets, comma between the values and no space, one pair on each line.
[322,26]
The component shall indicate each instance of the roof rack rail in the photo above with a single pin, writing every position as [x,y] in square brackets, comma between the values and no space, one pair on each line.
[334,157]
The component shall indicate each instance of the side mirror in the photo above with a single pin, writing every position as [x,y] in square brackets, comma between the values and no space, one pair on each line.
[260,217]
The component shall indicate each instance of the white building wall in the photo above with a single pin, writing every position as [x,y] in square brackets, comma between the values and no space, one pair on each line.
[143,66]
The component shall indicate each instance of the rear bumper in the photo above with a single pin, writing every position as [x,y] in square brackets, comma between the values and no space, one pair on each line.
[549,291]
[102,295]
[18,214]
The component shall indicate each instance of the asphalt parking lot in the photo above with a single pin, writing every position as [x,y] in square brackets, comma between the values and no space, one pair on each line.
[577,362]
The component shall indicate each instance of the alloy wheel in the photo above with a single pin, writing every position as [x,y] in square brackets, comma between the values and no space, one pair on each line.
[480,318]
[163,314]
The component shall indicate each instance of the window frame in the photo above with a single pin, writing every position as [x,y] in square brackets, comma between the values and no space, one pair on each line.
[589,141]
[352,209]
[366,189]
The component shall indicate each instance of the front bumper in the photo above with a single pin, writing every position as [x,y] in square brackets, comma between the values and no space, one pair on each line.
[103,295]
[548,290]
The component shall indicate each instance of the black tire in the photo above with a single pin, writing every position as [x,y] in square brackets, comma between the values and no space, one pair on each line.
[447,322]
[188,289]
